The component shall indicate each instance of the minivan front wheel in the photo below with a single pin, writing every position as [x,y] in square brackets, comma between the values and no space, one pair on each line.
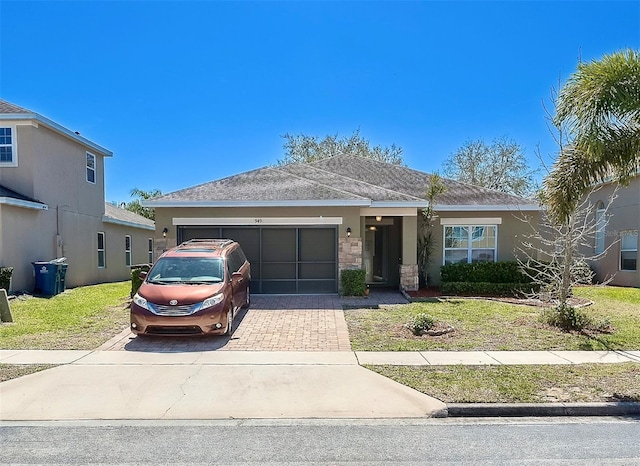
[229,329]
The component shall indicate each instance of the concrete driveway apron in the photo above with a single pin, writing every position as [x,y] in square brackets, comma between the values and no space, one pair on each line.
[273,323]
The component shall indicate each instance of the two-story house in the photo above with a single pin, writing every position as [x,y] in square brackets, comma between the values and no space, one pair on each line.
[52,204]
[617,233]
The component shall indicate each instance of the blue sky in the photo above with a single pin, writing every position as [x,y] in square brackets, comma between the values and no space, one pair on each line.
[188,92]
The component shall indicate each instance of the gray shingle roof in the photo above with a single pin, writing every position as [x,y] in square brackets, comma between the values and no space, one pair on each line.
[8,107]
[114,214]
[415,183]
[6,192]
[344,178]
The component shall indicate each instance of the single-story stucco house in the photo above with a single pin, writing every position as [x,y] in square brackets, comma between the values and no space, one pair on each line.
[301,224]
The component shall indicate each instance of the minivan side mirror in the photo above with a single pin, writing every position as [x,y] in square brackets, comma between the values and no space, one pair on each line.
[236,275]
[142,275]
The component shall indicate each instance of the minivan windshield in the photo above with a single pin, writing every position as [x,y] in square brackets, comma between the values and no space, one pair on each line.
[190,270]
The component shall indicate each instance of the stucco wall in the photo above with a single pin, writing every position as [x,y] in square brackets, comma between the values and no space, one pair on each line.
[164,216]
[52,169]
[624,214]
[510,235]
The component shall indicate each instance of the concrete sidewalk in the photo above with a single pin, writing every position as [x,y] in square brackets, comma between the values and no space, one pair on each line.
[397,358]
[251,384]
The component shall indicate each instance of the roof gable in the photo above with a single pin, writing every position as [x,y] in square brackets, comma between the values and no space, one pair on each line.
[11,112]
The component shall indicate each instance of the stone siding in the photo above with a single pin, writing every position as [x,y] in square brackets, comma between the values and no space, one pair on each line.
[409,277]
[349,253]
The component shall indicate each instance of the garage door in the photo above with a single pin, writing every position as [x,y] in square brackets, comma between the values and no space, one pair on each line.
[284,260]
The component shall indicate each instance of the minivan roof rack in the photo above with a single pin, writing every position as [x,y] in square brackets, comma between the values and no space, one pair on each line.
[215,243]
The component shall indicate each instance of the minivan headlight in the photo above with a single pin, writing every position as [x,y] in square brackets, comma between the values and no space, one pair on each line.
[140,301]
[212,301]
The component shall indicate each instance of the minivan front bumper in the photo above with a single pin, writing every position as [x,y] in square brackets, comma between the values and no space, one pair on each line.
[211,321]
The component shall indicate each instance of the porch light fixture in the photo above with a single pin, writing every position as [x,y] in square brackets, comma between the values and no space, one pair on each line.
[164,232]
[348,232]
[378,218]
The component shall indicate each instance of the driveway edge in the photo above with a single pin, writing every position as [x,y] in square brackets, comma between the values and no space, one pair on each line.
[542,409]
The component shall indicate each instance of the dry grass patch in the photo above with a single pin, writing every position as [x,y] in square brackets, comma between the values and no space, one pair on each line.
[521,384]
[11,371]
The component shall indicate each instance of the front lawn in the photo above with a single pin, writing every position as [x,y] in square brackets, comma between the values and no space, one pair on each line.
[489,325]
[521,384]
[79,318]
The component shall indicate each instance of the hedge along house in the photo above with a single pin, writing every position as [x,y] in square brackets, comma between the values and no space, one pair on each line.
[301,224]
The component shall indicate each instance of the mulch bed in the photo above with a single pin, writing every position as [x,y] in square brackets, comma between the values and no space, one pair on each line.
[434,292]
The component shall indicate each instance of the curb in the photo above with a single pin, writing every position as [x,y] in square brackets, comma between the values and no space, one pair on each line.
[542,409]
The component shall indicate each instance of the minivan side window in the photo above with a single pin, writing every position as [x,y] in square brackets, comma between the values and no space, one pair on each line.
[233,261]
[241,257]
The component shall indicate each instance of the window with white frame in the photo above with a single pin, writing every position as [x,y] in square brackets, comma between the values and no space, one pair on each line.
[470,243]
[7,146]
[127,250]
[150,250]
[101,251]
[600,227]
[629,250]
[91,168]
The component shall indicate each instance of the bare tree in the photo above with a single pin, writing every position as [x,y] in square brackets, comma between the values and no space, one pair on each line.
[556,252]
[500,165]
[302,148]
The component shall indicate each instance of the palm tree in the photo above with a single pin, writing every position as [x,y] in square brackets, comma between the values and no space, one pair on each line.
[136,206]
[600,107]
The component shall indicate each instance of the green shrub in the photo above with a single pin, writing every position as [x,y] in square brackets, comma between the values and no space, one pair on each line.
[485,279]
[5,277]
[567,317]
[487,288]
[488,272]
[353,282]
[136,281]
[420,324]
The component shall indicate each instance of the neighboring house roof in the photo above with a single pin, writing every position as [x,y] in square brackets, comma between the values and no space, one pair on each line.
[9,111]
[118,216]
[11,197]
[340,180]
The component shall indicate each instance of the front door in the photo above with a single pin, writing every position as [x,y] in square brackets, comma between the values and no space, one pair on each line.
[382,245]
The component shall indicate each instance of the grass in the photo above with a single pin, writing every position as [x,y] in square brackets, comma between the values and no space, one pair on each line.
[521,384]
[11,371]
[489,325]
[79,318]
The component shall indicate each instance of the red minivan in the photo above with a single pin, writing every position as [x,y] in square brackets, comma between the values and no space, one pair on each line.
[193,289]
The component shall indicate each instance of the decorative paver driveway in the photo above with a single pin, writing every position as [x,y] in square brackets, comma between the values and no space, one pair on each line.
[273,323]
